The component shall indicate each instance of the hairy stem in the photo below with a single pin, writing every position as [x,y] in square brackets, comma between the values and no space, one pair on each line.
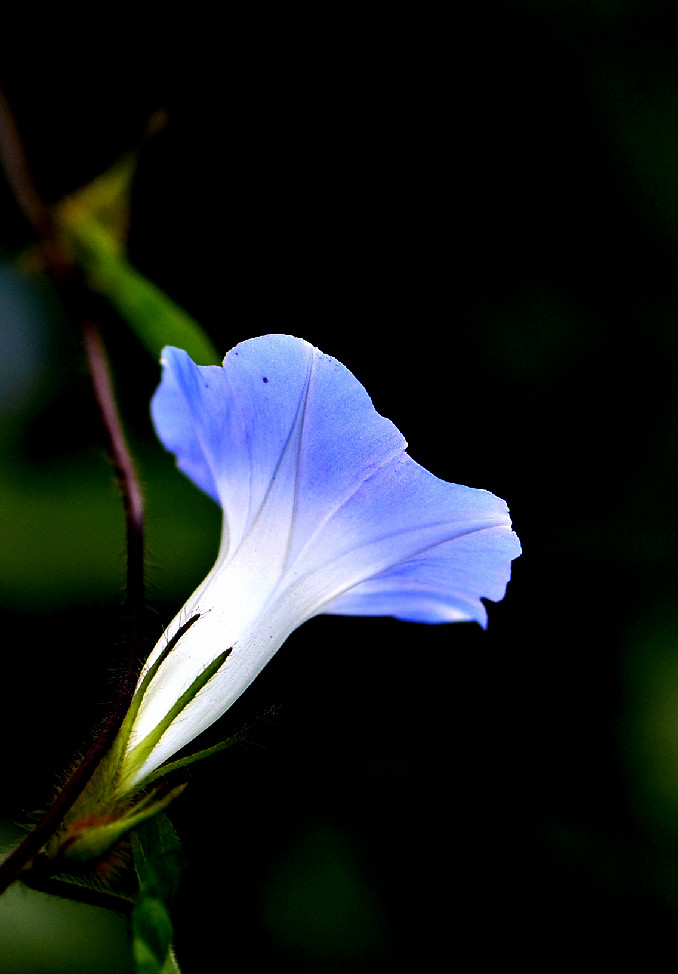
[77,300]
[123,465]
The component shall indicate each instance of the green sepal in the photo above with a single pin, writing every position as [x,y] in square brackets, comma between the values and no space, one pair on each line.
[93,842]
[207,752]
[135,758]
[180,763]
[114,758]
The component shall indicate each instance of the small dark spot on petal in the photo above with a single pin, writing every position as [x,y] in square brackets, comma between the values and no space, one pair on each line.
[265,379]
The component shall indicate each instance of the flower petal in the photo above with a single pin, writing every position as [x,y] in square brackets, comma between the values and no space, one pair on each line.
[284,429]
[230,427]
[323,512]
[410,545]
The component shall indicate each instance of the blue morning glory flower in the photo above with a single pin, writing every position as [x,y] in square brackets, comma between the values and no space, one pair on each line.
[323,512]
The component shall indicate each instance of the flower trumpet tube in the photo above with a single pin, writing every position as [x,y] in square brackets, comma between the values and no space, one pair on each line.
[323,512]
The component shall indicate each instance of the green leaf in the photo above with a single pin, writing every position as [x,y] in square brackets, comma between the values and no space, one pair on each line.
[153,316]
[157,860]
[94,223]
[158,857]
[152,928]
[171,966]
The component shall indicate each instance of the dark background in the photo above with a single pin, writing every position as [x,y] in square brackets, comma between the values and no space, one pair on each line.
[479,217]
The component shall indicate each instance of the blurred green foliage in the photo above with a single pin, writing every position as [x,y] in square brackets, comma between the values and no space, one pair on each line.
[63,526]
[42,933]
[321,907]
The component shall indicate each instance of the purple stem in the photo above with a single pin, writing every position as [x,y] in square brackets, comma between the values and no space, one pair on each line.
[75,296]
